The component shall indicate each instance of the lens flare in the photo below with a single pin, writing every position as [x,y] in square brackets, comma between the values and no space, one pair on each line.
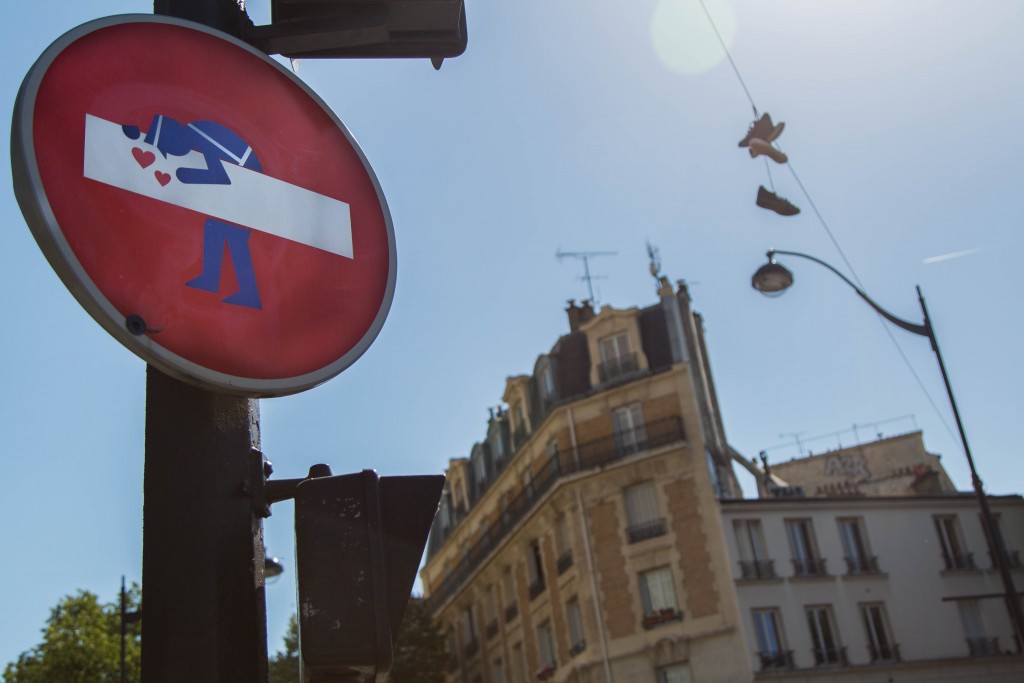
[683,37]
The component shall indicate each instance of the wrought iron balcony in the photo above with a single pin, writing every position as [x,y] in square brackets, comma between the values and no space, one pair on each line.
[809,566]
[830,656]
[776,660]
[1012,555]
[615,368]
[472,647]
[536,588]
[662,616]
[641,532]
[588,456]
[578,647]
[564,562]
[983,647]
[959,562]
[751,570]
[886,652]
[862,565]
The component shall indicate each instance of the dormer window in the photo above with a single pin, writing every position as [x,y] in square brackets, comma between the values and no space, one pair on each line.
[547,381]
[617,358]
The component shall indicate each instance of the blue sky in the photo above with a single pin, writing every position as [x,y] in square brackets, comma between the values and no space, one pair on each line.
[586,127]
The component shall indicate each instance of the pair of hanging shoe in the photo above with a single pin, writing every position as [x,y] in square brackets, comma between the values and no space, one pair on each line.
[760,137]
[759,140]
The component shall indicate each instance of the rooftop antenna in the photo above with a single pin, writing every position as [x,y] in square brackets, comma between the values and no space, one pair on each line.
[585,256]
[795,435]
[655,256]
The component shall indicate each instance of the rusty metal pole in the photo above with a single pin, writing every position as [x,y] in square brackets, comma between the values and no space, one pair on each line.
[202,556]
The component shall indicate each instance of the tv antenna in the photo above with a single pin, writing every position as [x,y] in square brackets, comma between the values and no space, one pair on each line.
[796,436]
[585,256]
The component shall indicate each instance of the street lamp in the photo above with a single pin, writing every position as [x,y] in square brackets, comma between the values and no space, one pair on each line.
[772,279]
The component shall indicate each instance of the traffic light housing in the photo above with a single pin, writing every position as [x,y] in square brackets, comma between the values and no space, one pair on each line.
[364,28]
[358,543]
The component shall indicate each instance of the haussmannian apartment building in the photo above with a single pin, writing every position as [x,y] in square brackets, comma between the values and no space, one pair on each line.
[598,534]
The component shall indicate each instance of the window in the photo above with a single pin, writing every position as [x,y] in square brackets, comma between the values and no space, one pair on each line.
[491,611]
[857,554]
[535,568]
[677,673]
[1012,556]
[469,633]
[453,650]
[518,663]
[876,630]
[630,433]
[445,513]
[770,647]
[975,632]
[617,358]
[562,544]
[497,672]
[577,643]
[805,551]
[546,646]
[547,381]
[642,512]
[954,552]
[754,561]
[509,589]
[821,623]
[480,464]
[658,595]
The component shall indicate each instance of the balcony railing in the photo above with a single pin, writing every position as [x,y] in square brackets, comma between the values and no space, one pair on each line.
[578,647]
[776,660]
[958,562]
[809,566]
[830,656]
[564,562]
[982,647]
[641,532]
[472,647]
[660,617]
[888,652]
[590,455]
[751,570]
[617,367]
[536,588]
[861,565]
[1012,555]
[492,629]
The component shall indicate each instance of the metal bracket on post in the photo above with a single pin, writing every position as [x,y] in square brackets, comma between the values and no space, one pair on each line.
[265,493]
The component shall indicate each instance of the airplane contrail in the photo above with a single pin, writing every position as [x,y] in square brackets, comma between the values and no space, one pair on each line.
[952,255]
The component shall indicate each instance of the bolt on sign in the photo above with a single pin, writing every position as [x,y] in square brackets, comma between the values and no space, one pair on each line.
[203,205]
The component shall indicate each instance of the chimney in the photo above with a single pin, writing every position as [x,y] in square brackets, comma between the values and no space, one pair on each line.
[586,311]
[574,316]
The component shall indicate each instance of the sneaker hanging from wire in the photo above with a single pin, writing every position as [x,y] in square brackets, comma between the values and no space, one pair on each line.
[759,147]
[773,202]
[763,129]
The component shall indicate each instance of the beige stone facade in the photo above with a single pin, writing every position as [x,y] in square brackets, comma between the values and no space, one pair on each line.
[594,534]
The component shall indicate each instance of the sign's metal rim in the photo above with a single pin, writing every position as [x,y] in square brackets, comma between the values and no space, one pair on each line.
[35,206]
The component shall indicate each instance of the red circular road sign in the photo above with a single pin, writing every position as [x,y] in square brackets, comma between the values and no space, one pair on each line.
[203,205]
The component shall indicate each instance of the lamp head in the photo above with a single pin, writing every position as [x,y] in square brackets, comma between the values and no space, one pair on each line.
[772,279]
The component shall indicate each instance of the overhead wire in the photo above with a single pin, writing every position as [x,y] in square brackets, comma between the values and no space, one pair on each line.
[824,224]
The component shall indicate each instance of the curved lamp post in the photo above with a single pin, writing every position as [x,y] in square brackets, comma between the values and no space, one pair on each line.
[772,279]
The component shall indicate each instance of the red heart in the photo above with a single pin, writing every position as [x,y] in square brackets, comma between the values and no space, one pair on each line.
[144,158]
[162,178]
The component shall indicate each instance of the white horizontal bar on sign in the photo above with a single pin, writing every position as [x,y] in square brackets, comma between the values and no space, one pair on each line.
[252,199]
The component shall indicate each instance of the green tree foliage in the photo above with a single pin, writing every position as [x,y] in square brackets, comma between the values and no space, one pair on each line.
[421,655]
[420,652]
[284,666]
[81,644]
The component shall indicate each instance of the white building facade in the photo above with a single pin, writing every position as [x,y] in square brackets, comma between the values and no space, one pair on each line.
[855,588]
